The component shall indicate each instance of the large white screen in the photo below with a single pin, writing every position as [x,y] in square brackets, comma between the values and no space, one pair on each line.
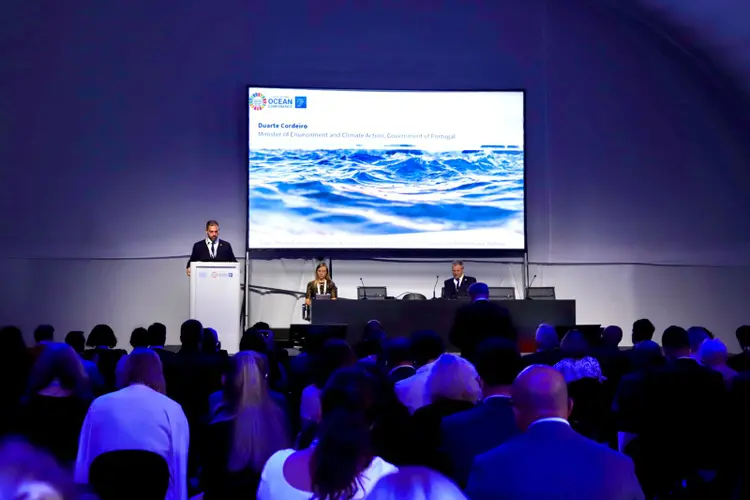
[349,169]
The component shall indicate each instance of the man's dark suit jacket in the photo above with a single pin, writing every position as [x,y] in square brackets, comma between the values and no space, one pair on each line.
[450,291]
[551,460]
[677,399]
[470,433]
[200,253]
[478,321]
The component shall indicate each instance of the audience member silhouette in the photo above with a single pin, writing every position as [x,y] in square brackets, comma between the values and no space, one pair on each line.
[415,483]
[574,467]
[547,347]
[427,346]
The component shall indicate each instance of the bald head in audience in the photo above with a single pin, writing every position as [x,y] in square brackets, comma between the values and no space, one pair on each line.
[546,337]
[612,336]
[540,392]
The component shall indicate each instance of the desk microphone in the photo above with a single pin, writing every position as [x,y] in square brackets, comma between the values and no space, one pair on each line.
[531,282]
[364,289]
[437,279]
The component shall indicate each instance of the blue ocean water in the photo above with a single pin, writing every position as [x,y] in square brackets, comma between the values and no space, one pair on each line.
[395,191]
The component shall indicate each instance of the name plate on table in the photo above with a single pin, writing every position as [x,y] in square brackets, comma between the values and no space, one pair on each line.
[323,296]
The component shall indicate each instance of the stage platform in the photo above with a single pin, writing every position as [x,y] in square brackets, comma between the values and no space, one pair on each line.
[402,317]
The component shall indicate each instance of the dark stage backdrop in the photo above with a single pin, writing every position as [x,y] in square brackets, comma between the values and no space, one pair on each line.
[122,129]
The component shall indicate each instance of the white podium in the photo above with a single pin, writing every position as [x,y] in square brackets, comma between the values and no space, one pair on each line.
[216,301]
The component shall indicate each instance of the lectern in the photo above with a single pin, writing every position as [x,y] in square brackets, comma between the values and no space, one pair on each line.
[215,300]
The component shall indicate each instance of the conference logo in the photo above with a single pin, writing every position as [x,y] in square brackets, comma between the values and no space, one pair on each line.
[258,101]
[300,102]
[214,275]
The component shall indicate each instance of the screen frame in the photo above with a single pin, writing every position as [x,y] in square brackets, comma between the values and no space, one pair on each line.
[365,253]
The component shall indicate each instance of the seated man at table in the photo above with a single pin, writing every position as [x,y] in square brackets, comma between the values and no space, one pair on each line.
[479,320]
[458,286]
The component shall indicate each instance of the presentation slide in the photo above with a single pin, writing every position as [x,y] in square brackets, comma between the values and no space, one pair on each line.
[353,169]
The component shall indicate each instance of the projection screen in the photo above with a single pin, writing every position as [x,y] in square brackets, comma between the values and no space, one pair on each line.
[355,169]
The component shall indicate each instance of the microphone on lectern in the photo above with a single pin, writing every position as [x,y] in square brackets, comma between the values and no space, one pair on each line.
[364,289]
[437,279]
[531,282]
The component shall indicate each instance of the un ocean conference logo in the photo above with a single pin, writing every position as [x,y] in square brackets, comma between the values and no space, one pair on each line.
[258,101]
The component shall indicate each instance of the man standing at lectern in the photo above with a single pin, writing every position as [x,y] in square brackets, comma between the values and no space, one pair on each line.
[212,249]
[458,286]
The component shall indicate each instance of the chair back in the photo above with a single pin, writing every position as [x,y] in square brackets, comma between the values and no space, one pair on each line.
[129,474]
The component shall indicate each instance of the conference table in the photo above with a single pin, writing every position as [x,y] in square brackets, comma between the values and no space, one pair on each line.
[402,317]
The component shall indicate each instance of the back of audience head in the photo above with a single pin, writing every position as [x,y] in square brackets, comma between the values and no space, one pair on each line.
[336,354]
[643,329]
[696,335]
[26,473]
[479,291]
[612,336]
[143,366]
[397,352]
[11,342]
[259,429]
[191,334]
[546,337]
[157,335]
[648,354]
[426,347]
[743,337]
[44,333]
[102,336]
[415,483]
[261,325]
[373,331]
[139,338]
[452,378]
[253,340]
[344,448]
[675,342]
[713,353]
[498,364]
[245,380]
[540,392]
[77,340]
[210,343]
[574,345]
[59,363]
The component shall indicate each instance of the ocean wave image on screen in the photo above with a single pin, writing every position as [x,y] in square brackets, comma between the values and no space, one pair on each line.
[353,195]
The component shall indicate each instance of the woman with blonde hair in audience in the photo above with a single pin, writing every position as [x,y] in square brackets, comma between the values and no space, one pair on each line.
[247,429]
[451,387]
[415,483]
[138,417]
[713,354]
[576,363]
[59,395]
[340,464]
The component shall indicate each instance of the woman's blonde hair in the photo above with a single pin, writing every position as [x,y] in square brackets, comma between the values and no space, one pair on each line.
[59,362]
[260,425]
[453,377]
[415,483]
[143,366]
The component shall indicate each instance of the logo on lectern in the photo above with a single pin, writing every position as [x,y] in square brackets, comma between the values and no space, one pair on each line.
[214,275]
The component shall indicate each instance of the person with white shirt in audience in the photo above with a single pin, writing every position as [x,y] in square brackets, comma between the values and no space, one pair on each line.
[138,417]
[427,346]
[340,463]
[415,483]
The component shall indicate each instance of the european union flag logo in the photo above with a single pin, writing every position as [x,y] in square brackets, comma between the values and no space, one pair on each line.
[300,102]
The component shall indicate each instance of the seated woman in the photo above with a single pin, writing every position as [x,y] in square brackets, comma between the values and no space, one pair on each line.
[322,285]
[451,387]
[51,415]
[138,417]
[576,363]
[248,428]
[103,341]
[340,463]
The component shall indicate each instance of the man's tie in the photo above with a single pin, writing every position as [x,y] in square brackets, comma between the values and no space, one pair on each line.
[213,249]
[458,284]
